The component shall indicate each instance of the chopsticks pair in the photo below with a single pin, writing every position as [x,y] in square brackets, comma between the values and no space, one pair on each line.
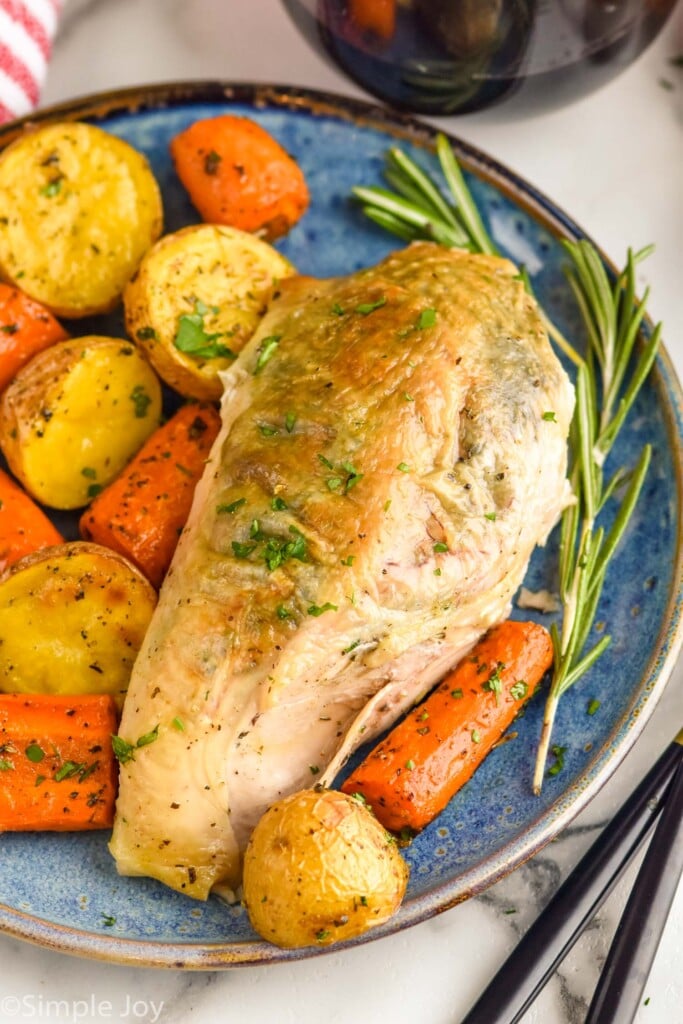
[617,996]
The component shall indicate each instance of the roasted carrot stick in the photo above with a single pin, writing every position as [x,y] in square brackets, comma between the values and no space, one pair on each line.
[413,773]
[26,328]
[236,173]
[57,766]
[23,526]
[142,512]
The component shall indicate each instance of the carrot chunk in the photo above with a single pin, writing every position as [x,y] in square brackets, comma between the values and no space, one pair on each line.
[57,766]
[412,774]
[236,173]
[26,328]
[23,526]
[142,512]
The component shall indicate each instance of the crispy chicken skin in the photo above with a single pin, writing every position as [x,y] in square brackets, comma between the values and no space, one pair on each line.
[393,448]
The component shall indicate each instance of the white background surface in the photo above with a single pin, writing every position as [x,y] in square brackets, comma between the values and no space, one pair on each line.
[613,162]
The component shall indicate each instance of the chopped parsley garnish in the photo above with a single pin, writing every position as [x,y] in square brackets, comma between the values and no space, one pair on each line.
[192,338]
[404,467]
[440,547]
[549,416]
[427,318]
[140,400]
[322,934]
[211,162]
[34,753]
[71,768]
[89,472]
[337,309]
[558,753]
[267,430]
[494,683]
[146,334]
[353,477]
[491,516]
[108,921]
[290,420]
[407,397]
[279,550]
[457,694]
[369,307]
[267,351]
[177,723]
[319,609]
[519,690]
[241,550]
[476,736]
[125,751]
[232,507]
[278,504]
[276,550]
[148,737]
[348,560]
[5,765]
[351,647]
[314,769]
[343,484]
[9,328]
[94,490]
[52,188]
[410,764]
[593,706]
[283,612]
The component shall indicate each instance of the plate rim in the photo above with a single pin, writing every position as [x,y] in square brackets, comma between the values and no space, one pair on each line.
[664,651]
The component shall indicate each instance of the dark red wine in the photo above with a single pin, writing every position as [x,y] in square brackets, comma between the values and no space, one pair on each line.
[455,56]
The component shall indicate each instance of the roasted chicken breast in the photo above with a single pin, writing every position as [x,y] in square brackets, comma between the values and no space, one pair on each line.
[393,448]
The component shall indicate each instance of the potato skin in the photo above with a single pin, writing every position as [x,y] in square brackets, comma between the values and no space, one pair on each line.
[75,414]
[72,618]
[228,273]
[78,208]
[319,868]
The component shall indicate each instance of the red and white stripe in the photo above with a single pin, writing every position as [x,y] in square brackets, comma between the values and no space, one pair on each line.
[27,28]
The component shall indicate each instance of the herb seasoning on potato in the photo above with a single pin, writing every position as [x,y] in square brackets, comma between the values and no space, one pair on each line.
[196,300]
[72,619]
[75,415]
[96,201]
[319,868]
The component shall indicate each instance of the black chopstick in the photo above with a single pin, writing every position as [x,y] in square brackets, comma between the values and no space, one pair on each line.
[620,987]
[547,942]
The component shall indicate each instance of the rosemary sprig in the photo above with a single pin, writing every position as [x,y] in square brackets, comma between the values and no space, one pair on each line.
[416,208]
[606,387]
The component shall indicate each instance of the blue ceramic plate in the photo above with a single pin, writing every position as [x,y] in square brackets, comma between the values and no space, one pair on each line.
[62,890]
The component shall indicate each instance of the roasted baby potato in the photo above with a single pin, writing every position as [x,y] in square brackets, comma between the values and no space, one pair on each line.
[75,414]
[197,298]
[72,618]
[320,868]
[78,208]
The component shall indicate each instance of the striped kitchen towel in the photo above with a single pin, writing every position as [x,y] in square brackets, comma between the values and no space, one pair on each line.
[27,28]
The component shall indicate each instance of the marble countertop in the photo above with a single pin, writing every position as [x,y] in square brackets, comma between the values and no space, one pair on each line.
[613,161]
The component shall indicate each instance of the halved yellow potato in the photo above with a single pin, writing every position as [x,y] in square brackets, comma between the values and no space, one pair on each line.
[78,209]
[75,414]
[72,619]
[319,868]
[197,299]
